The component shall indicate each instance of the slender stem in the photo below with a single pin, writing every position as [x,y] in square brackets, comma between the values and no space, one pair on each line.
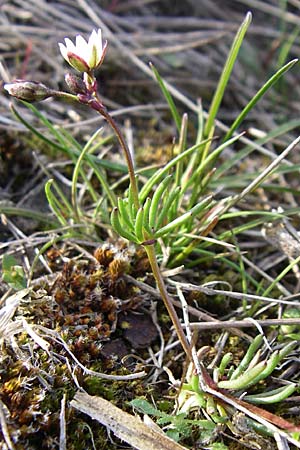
[101,109]
[62,94]
[167,301]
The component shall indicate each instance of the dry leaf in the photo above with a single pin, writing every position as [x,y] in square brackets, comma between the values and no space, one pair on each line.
[126,427]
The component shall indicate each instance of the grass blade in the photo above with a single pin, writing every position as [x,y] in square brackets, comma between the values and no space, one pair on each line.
[218,96]
[168,97]
[258,96]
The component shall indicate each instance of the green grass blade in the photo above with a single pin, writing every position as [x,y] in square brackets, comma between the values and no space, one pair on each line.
[77,171]
[174,194]
[195,159]
[54,203]
[168,97]
[123,209]
[286,127]
[181,220]
[243,365]
[270,397]
[76,152]
[258,96]
[146,225]
[181,147]
[28,213]
[286,46]
[218,96]
[281,276]
[41,136]
[198,173]
[138,226]
[119,227]
[53,130]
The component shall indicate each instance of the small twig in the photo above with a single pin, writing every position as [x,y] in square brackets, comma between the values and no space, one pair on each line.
[232,294]
[57,338]
[62,419]
[161,352]
[185,313]
[4,428]
[242,323]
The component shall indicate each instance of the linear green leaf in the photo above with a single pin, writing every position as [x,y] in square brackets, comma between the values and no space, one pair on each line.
[253,347]
[157,177]
[167,206]
[274,396]
[124,213]
[54,204]
[138,226]
[156,198]
[182,219]
[245,380]
[115,222]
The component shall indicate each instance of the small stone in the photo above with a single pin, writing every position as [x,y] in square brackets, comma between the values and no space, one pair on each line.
[140,330]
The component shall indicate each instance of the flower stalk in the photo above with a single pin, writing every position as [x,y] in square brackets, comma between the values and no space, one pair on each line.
[103,111]
[150,250]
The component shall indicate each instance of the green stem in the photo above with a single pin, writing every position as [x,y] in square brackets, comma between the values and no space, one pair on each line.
[167,301]
[63,94]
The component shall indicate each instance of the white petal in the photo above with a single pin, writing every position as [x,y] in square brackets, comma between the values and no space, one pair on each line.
[70,46]
[82,47]
[63,51]
[92,36]
[95,42]
[96,39]
[99,34]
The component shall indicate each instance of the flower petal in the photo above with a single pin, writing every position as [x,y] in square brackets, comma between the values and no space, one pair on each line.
[96,39]
[70,46]
[63,51]
[82,46]
[95,42]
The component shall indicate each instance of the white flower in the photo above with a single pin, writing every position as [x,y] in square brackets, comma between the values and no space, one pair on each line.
[84,56]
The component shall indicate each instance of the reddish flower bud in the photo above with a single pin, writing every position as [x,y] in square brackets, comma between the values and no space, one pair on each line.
[75,84]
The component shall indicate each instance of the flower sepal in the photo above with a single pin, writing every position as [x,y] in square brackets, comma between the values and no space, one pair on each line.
[77,62]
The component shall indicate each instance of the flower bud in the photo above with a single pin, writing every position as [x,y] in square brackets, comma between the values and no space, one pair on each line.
[75,84]
[29,91]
